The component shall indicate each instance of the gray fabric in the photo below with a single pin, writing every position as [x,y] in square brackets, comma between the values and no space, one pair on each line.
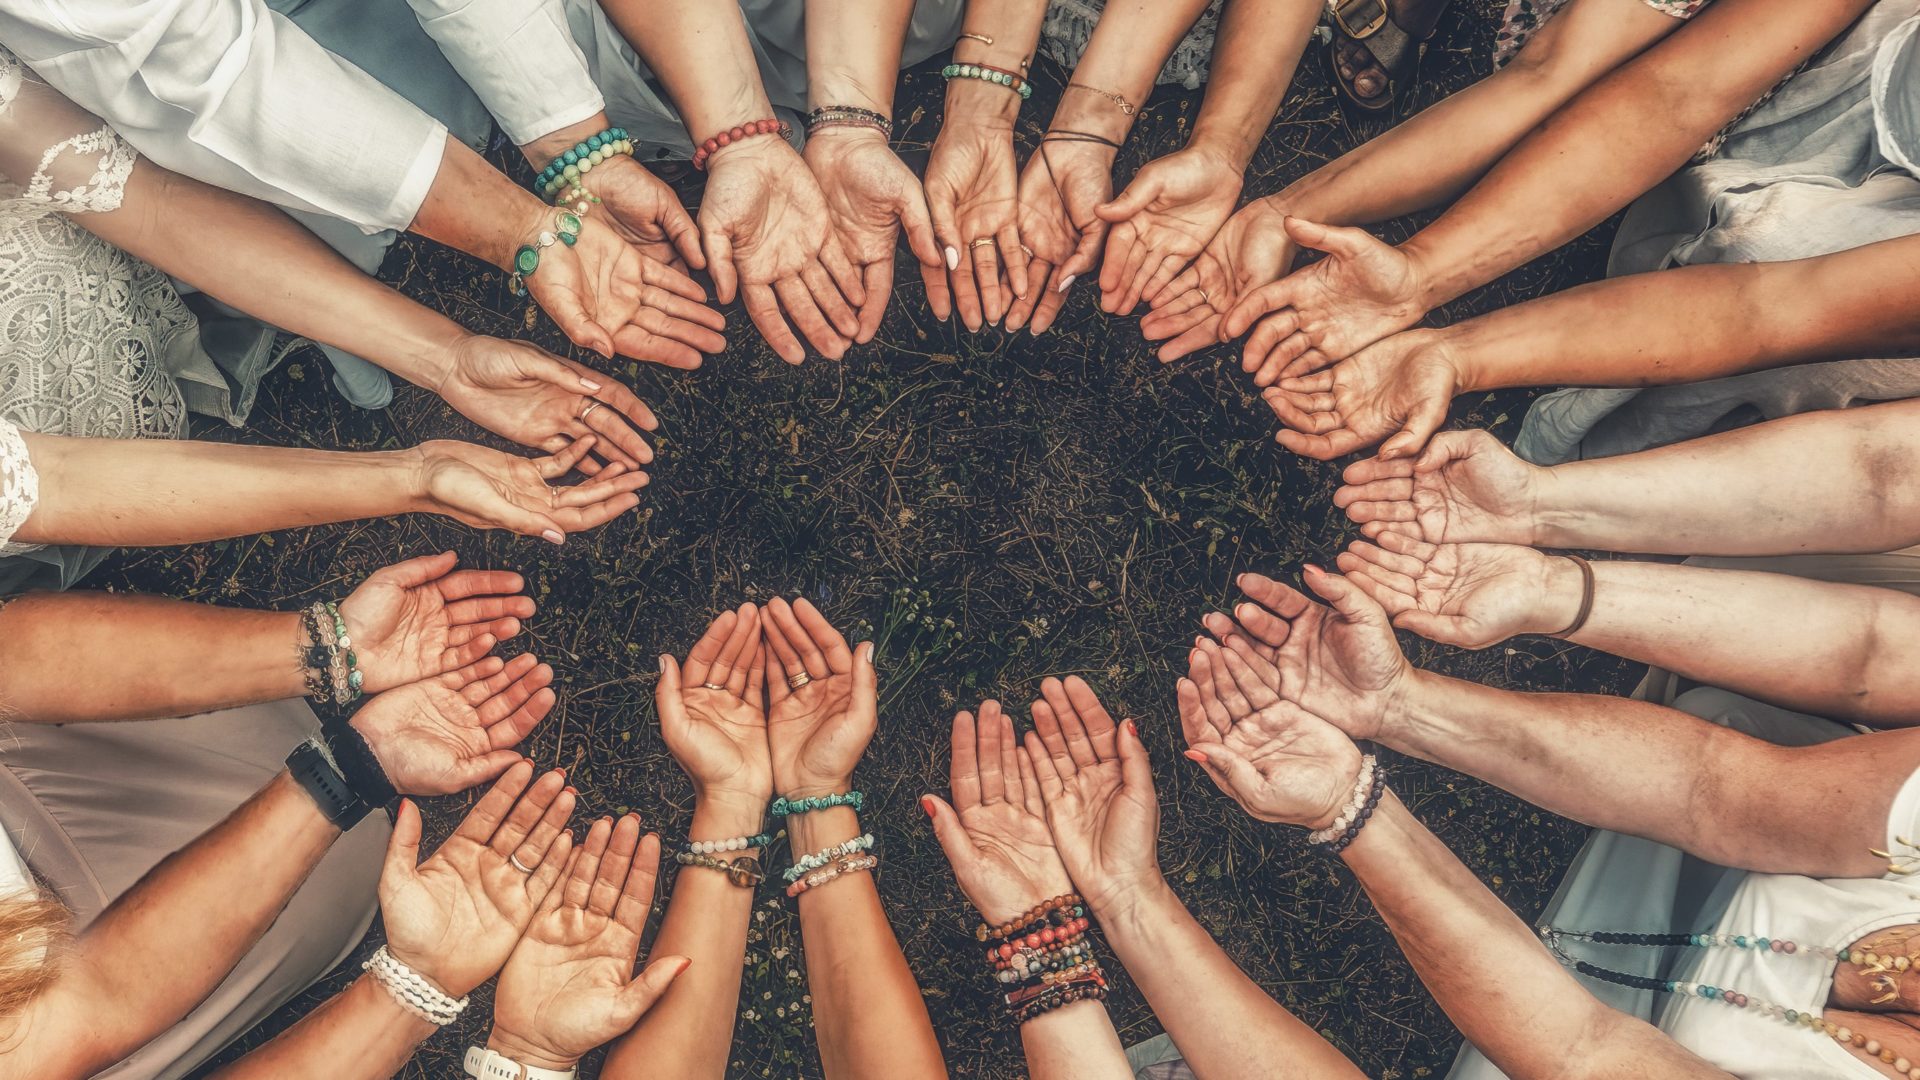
[1158,1059]
[1826,165]
[93,807]
[1620,882]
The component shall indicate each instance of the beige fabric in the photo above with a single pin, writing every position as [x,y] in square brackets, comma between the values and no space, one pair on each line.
[93,807]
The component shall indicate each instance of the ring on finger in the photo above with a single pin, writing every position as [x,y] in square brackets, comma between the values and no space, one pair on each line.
[518,865]
[588,411]
[712,686]
[984,241]
[798,681]
[1204,298]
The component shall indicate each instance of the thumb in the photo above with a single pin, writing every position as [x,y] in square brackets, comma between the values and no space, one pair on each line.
[865,680]
[919,228]
[685,237]
[1242,778]
[1332,239]
[1136,772]
[416,572]
[667,702]
[720,264]
[403,846]
[1422,421]
[947,830]
[641,994]
[1345,596]
[1132,201]
[1430,626]
[506,515]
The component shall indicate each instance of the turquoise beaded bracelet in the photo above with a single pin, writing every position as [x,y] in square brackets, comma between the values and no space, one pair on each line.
[570,166]
[821,858]
[997,76]
[784,806]
[566,230]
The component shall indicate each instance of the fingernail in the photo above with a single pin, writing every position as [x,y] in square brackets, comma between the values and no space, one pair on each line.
[1132,729]
[1064,282]
[554,536]
[1194,755]
[1312,569]
[589,384]
[571,790]
[926,804]
[663,663]
[953,259]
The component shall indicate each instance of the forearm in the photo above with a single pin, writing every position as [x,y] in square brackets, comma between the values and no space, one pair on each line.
[1074,1042]
[155,492]
[474,208]
[701,54]
[689,1032]
[1130,44]
[1828,482]
[1225,1025]
[1695,81]
[868,1013]
[1701,322]
[160,948]
[853,51]
[78,657]
[1014,29]
[1256,50]
[361,1033]
[252,256]
[1505,992]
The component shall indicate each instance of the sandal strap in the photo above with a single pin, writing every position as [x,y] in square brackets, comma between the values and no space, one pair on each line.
[1359,19]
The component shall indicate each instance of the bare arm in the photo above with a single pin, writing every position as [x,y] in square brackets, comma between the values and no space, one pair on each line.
[168,941]
[1255,54]
[1504,991]
[361,1032]
[702,56]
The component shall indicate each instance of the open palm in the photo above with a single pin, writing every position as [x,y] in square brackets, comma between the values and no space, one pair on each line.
[1250,250]
[1464,487]
[995,832]
[973,194]
[488,489]
[1098,789]
[420,618]
[1361,292]
[450,732]
[1397,387]
[713,710]
[1470,595]
[871,195]
[823,705]
[1165,218]
[1063,184]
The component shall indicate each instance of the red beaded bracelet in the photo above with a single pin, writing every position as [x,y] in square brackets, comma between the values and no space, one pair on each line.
[769,126]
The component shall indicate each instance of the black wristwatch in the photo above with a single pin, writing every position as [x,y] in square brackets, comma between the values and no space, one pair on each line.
[315,771]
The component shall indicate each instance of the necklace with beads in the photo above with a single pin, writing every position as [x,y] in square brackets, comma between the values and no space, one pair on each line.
[1877,966]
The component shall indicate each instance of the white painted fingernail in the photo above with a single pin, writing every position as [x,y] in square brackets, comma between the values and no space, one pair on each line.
[554,536]
[953,259]
[590,385]
[1066,281]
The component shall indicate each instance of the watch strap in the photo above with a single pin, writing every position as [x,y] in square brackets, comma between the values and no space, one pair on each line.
[313,769]
[492,1065]
[356,761]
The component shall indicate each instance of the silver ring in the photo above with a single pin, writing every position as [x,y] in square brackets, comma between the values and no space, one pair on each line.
[712,686]
[518,865]
[798,681]
[588,411]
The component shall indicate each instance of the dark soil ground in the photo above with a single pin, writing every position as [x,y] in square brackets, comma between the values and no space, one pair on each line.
[993,509]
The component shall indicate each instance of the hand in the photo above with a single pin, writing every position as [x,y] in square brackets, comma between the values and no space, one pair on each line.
[570,985]
[818,731]
[871,195]
[1464,487]
[998,841]
[536,399]
[1168,215]
[490,490]
[454,731]
[606,296]
[1251,250]
[1470,595]
[765,227]
[456,917]
[1098,789]
[1278,761]
[720,736]
[420,618]
[1400,386]
[1361,292]
[1064,182]
[1340,663]
[646,213]
[973,194]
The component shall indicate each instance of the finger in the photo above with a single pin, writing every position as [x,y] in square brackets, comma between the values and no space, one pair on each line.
[564,307]
[1369,470]
[1046,725]
[472,647]
[413,573]
[763,310]
[948,831]
[1072,728]
[1264,342]
[486,609]
[486,816]
[1256,690]
[661,276]
[403,845]
[799,304]
[1276,596]
[527,812]
[612,875]
[1349,601]
[642,993]
[1423,420]
[683,234]
[1399,510]
[1133,277]
[470,583]
[993,787]
[1397,562]
[782,650]
[1395,489]
[558,464]
[1170,267]
[1255,304]
[986,274]
[482,680]
[547,874]
[1136,771]
[1014,255]
[1093,715]
[720,265]
[825,638]
[866,681]
[829,298]
[879,285]
[694,314]
[1044,769]
[1206,674]
[812,660]
[1052,299]
[844,275]
[1020,312]
[963,281]
[1335,443]
[964,773]
[1419,551]
[734,651]
[1009,745]
[540,839]
[1242,779]
[705,651]
[1368,580]
[643,876]
[584,864]
[771,675]
[1447,630]
[926,251]
[1201,335]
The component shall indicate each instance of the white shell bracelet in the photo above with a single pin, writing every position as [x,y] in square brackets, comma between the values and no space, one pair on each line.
[414,993]
[1361,785]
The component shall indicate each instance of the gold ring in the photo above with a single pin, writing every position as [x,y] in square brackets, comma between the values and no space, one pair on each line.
[588,411]
[518,865]
[984,240]
[712,686]
[798,681]
[1204,298]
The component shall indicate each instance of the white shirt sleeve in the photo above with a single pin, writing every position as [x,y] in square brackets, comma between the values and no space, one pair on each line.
[19,488]
[232,94]
[519,57]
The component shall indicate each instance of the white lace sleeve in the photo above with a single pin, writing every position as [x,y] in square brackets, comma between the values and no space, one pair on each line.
[19,488]
[54,156]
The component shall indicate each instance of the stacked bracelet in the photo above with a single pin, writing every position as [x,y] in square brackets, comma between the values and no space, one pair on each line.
[827,116]
[1044,959]
[333,668]
[1356,799]
[784,806]
[769,126]
[415,994]
[566,229]
[744,871]
[852,865]
[1012,80]
[1374,792]
[821,858]
[1058,911]
[735,843]
[569,167]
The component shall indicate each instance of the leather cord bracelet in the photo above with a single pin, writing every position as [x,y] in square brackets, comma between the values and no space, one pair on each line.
[1586,597]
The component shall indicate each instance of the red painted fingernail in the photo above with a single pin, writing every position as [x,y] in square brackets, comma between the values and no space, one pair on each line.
[926,803]
[1195,755]
[1133,729]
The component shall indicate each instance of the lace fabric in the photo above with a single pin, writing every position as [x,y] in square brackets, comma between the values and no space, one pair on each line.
[19,488]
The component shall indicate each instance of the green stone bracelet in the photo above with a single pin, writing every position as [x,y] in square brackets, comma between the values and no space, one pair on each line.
[566,229]
[996,76]
[784,806]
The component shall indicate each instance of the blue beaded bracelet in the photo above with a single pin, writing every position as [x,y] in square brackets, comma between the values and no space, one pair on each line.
[784,806]
[570,166]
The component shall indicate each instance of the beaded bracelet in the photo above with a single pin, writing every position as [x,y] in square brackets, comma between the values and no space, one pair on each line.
[827,116]
[998,76]
[821,858]
[1362,783]
[1060,908]
[840,869]
[332,655]
[1023,965]
[733,843]
[1374,795]
[571,165]
[415,994]
[566,230]
[744,871]
[784,806]
[736,133]
[314,655]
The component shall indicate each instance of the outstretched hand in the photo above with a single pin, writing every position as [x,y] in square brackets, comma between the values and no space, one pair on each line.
[421,618]
[607,296]
[1465,486]
[1165,218]
[1064,183]
[1361,292]
[995,832]
[1470,595]
[488,489]
[823,702]
[646,213]
[1251,249]
[451,732]
[1399,387]
[713,711]
[1098,789]
[973,196]
[871,196]
[536,399]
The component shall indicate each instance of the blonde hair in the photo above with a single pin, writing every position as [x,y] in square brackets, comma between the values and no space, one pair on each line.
[35,930]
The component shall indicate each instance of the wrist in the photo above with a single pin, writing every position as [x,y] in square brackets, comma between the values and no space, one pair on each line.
[406,473]
[744,152]
[1218,143]
[828,86]
[818,830]
[527,1051]
[1138,906]
[560,140]
[971,102]
[1430,290]
[1093,114]
[721,815]
[1419,694]
[433,970]
[1559,591]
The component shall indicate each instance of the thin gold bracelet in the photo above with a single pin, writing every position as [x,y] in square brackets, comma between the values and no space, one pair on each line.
[1126,107]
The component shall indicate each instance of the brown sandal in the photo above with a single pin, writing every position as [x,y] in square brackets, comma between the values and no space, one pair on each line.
[1398,53]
